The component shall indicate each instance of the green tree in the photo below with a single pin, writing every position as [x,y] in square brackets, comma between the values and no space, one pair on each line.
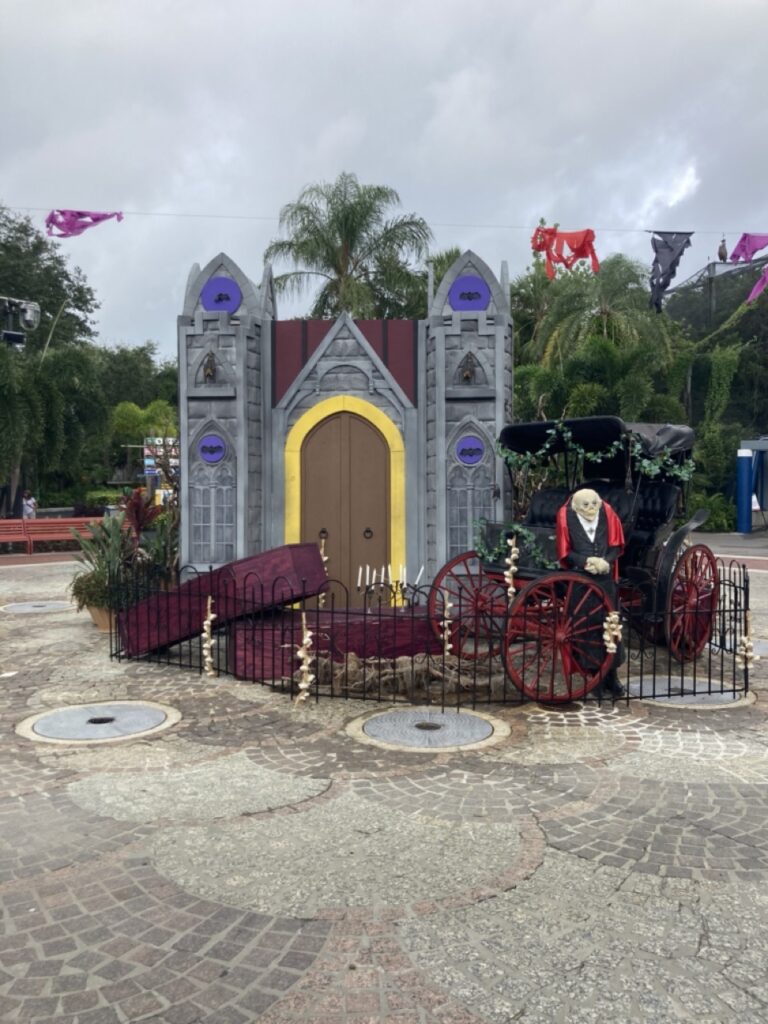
[612,304]
[160,419]
[129,425]
[588,345]
[47,389]
[402,293]
[126,429]
[32,267]
[531,296]
[167,382]
[131,373]
[340,235]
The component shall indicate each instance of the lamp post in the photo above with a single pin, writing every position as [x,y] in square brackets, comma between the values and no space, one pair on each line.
[18,316]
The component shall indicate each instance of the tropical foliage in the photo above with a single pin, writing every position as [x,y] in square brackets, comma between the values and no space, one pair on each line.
[125,555]
[341,236]
[57,393]
[586,344]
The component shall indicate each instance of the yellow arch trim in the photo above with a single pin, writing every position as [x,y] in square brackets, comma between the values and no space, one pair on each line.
[366,411]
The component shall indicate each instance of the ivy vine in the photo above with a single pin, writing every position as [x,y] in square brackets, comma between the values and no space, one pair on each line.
[664,462]
[525,537]
[645,465]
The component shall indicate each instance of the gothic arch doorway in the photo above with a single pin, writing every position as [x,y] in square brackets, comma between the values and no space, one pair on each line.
[345,495]
[345,481]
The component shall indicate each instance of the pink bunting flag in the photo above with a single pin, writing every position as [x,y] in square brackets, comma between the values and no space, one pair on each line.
[67,223]
[760,284]
[747,246]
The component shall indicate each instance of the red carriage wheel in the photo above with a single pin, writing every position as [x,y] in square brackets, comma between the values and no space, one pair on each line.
[554,648]
[478,607]
[691,603]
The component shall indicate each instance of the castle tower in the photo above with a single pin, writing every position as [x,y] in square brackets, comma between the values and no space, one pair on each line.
[223,364]
[467,397]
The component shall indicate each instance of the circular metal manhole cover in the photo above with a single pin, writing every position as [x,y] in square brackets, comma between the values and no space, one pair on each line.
[688,693]
[429,728]
[33,607]
[99,723]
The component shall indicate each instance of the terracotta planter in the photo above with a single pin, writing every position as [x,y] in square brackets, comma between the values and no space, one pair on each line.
[103,618]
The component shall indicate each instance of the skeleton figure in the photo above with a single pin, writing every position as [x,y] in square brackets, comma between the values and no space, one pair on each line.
[668,247]
[590,539]
[552,243]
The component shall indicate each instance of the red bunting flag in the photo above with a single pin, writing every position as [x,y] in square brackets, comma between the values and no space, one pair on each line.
[553,243]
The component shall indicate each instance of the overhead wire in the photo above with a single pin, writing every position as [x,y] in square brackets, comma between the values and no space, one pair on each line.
[438,224]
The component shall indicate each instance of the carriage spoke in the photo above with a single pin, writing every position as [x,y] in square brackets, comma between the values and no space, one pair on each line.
[691,603]
[478,609]
[554,647]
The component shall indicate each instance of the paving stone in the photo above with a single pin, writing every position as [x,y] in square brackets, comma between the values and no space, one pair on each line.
[257,863]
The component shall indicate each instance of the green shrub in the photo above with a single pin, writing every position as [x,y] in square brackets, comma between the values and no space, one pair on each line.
[104,496]
[722,512]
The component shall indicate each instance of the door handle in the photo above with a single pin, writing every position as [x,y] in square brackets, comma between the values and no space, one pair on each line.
[323,534]
[367,533]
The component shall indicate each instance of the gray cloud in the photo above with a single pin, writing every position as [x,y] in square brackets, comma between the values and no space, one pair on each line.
[485,116]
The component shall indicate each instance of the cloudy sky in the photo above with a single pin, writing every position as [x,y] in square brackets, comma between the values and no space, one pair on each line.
[200,120]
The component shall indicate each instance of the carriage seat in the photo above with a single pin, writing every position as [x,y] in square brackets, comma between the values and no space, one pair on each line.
[540,522]
[622,501]
[545,504]
[657,503]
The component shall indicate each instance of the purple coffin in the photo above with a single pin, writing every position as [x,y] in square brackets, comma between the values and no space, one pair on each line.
[252,584]
[266,650]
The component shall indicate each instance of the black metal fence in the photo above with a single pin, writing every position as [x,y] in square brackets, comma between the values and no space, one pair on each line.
[406,645]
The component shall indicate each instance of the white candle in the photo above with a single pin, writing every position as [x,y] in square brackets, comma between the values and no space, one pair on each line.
[359,577]
[421,573]
[373,580]
[383,577]
[367,575]
[390,572]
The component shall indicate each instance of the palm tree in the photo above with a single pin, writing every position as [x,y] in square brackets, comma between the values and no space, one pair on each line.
[612,305]
[402,293]
[590,345]
[338,232]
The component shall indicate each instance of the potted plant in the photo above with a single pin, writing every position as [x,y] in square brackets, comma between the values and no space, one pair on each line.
[104,555]
[160,549]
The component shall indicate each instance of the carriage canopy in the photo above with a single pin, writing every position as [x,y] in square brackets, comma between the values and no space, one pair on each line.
[595,434]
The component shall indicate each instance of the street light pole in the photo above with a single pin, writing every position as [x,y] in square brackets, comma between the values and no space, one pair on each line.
[16,317]
[27,313]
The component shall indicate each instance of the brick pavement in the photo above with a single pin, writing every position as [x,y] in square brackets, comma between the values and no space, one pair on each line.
[255,862]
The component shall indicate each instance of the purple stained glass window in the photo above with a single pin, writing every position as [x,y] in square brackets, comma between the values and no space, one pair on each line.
[469,292]
[212,448]
[221,295]
[470,449]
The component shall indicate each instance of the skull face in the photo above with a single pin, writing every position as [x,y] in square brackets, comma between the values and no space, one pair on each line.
[586,503]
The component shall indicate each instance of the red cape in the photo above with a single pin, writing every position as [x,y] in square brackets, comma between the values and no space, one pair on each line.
[615,534]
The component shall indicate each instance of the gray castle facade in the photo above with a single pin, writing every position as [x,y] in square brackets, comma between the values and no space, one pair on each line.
[378,436]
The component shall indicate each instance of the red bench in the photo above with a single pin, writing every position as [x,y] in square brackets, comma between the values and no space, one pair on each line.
[12,532]
[30,531]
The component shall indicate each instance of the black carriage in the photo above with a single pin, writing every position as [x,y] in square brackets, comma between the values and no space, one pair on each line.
[555,630]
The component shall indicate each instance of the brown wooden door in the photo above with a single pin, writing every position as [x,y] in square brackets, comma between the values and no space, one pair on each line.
[345,492]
